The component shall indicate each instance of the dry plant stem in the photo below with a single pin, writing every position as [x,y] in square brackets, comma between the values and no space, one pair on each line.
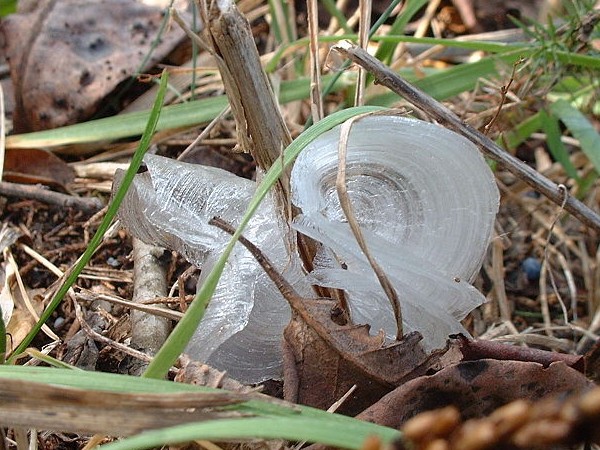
[443,115]
[2,135]
[144,305]
[477,349]
[87,205]
[342,191]
[316,102]
[498,273]
[503,93]
[363,41]
[148,331]
[36,405]
[425,21]
[546,265]
[261,128]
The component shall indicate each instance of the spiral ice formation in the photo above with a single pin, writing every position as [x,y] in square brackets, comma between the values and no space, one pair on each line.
[426,201]
[424,196]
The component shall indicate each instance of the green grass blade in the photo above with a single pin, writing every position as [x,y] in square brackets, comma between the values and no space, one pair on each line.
[8,7]
[453,81]
[106,221]
[576,59]
[181,335]
[2,339]
[288,428]
[386,50]
[581,129]
[522,132]
[133,124]
[555,144]
[122,126]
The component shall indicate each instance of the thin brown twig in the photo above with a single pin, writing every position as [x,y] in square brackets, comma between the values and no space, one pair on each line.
[503,92]
[316,102]
[546,265]
[342,191]
[204,133]
[363,41]
[444,116]
[85,204]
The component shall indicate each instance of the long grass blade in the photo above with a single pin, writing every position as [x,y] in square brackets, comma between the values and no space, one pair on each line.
[289,428]
[581,128]
[555,144]
[95,242]
[133,124]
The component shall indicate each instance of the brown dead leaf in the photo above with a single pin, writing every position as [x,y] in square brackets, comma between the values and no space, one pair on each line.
[65,56]
[37,166]
[22,320]
[592,362]
[323,359]
[475,388]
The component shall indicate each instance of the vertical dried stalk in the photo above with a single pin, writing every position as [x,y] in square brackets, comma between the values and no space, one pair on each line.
[316,103]
[363,42]
[261,129]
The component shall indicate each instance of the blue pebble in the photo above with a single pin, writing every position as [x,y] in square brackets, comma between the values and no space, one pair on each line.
[532,268]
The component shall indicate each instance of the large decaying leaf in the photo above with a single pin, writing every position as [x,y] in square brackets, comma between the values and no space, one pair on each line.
[66,56]
[476,388]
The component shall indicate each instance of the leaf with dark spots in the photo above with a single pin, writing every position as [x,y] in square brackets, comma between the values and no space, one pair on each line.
[66,56]
[471,371]
[36,166]
[475,388]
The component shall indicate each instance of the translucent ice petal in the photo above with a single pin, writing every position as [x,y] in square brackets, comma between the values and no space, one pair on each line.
[170,205]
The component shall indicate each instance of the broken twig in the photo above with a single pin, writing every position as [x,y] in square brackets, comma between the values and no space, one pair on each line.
[87,205]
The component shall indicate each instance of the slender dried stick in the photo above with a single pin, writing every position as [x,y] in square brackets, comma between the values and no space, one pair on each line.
[443,115]
[363,41]
[316,102]
[342,191]
[87,205]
